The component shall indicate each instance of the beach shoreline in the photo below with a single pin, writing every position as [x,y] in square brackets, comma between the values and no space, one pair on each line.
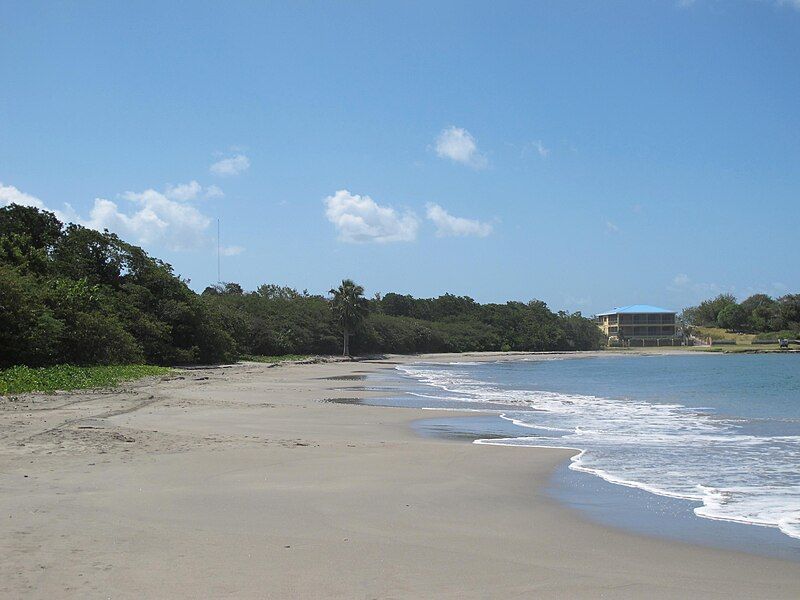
[253,481]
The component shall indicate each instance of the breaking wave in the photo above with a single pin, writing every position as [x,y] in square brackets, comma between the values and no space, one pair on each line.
[666,449]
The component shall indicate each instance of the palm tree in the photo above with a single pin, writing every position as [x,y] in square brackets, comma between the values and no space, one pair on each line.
[349,306]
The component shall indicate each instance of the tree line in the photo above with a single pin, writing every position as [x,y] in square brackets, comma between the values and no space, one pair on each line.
[275,320]
[758,313]
[73,295]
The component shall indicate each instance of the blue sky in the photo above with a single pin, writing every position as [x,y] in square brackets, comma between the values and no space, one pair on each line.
[589,154]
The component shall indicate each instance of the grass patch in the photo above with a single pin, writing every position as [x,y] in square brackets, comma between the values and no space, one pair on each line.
[739,349]
[744,341]
[274,359]
[717,333]
[18,380]
[779,335]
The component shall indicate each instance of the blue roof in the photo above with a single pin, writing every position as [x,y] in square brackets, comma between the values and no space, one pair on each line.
[636,308]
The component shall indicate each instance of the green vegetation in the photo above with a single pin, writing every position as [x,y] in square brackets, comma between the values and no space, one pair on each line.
[743,342]
[273,321]
[777,335]
[350,308]
[72,295]
[758,314]
[739,348]
[717,333]
[17,380]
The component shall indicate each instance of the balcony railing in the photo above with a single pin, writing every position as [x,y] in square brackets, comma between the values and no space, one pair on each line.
[647,320]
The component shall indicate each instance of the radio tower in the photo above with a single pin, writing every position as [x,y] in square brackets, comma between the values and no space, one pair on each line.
[219,271]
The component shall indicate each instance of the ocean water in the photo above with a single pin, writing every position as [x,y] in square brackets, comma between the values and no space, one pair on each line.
[722,431]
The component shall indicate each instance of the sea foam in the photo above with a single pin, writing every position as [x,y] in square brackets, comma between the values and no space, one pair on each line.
[666,449]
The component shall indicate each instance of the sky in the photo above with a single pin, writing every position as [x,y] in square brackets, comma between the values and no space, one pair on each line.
[588,154]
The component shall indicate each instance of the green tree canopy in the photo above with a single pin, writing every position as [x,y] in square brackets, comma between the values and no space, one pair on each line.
[69,294]
[732,317]
[759,313]
[706,313]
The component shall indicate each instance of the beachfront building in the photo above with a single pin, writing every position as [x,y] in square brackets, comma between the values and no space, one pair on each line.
[640,325]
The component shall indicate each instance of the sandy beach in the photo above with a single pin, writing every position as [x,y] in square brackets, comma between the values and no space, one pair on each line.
[246,481]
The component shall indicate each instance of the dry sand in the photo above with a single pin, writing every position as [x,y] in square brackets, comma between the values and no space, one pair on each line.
[242,482]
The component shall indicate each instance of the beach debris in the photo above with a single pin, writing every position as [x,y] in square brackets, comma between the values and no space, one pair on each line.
[342,400]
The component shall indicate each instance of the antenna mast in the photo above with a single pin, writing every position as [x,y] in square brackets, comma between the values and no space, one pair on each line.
[219,272]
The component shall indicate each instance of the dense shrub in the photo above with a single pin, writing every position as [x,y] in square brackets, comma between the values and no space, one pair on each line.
[75,295]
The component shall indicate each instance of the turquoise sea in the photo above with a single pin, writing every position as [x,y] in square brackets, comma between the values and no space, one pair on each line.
[717,434]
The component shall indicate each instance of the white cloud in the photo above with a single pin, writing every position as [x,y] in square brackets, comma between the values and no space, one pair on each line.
[191,191]
[184,191]
[448,225]
[152,219]
[11,195]
[458,145]
[214,191]
[361,219]
[231,250]
[233,165]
